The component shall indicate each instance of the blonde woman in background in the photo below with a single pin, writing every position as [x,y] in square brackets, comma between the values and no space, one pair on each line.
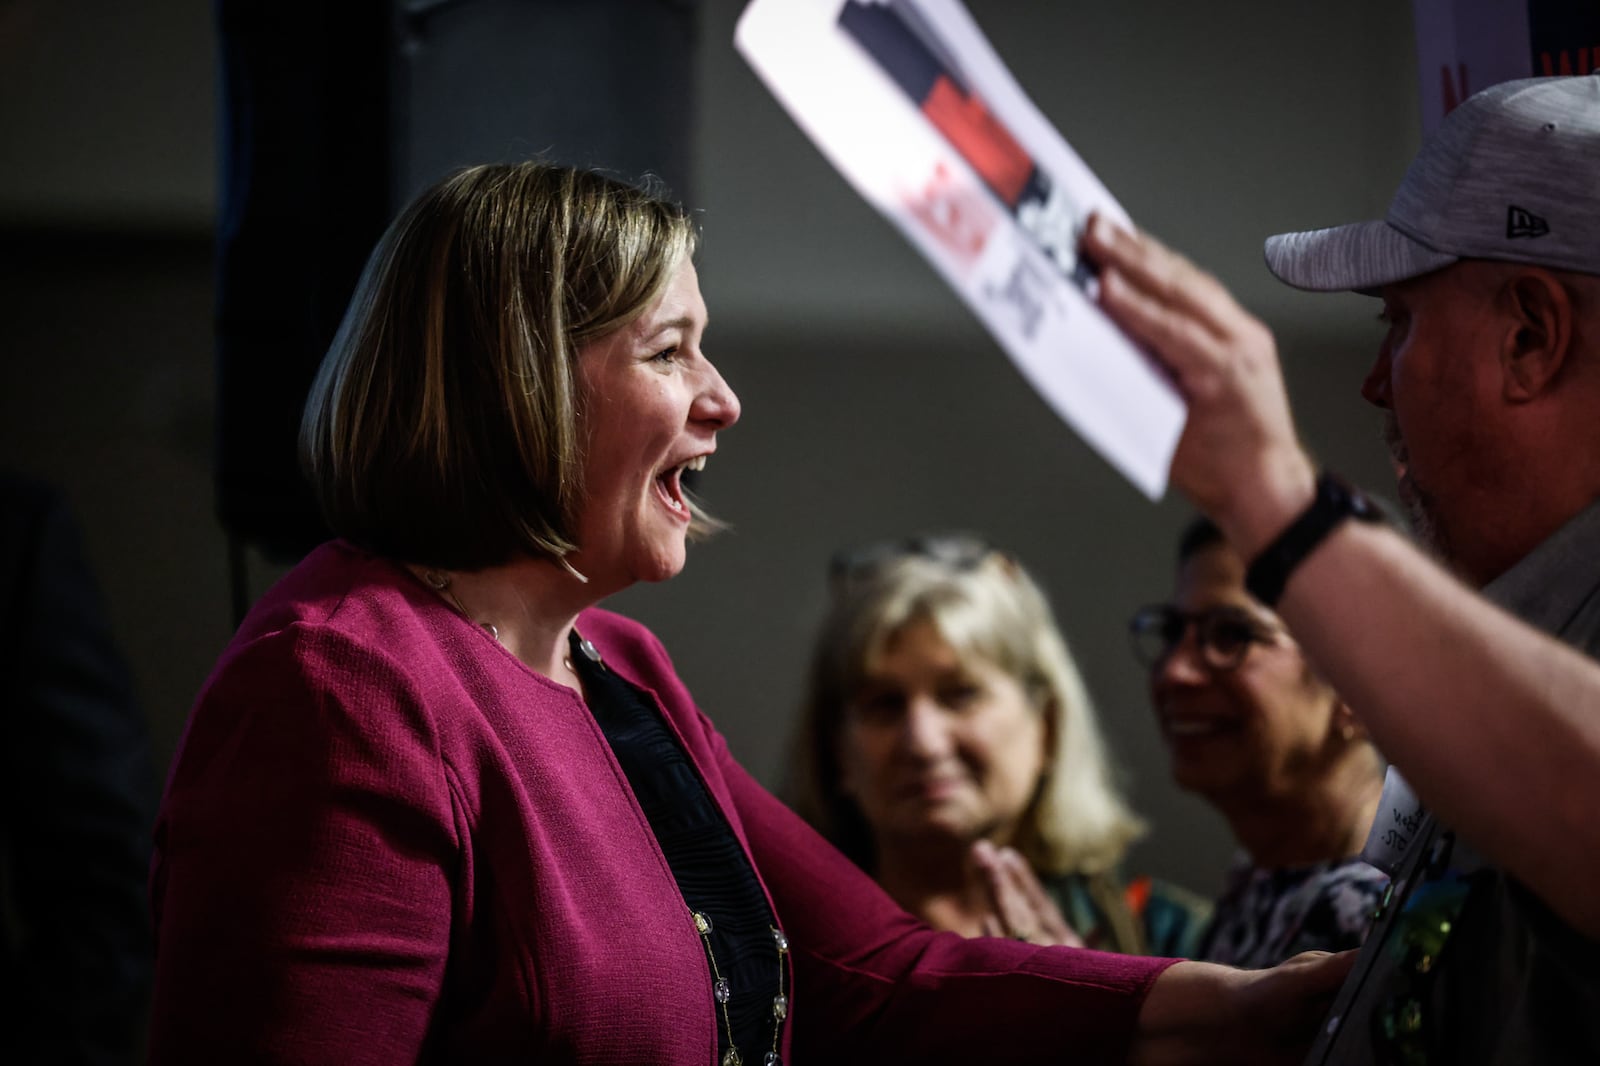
[948,746]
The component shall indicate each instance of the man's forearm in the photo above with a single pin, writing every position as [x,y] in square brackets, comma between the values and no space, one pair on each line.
[1496,725]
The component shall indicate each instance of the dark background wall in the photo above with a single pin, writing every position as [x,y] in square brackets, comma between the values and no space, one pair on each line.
[874,405]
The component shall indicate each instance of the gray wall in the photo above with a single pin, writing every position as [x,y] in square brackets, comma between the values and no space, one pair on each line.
[874,405]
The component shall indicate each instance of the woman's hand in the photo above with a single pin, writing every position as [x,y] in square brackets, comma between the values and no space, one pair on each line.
[1020,907]
[1199,1012]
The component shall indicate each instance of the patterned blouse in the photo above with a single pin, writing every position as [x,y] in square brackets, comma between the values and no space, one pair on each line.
[1140,917]
[1266,916]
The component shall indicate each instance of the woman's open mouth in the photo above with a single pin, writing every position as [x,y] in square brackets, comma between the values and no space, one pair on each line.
[669,485]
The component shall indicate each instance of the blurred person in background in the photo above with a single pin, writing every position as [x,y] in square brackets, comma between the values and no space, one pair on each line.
[947,744]
[79,796]
[1254,731]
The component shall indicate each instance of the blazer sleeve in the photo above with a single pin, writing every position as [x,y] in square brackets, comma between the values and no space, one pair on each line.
[305,851]
[873,984]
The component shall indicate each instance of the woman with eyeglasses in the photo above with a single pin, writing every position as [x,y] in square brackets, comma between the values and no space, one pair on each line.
[1252,729]
[947,744]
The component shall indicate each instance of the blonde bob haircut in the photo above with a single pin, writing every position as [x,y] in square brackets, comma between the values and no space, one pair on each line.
[444,427]
[986,608]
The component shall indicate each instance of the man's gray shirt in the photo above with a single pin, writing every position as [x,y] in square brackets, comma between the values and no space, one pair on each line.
[1513,984]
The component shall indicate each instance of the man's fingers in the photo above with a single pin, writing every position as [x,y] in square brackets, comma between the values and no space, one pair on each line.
[1179,341]
[1151,268]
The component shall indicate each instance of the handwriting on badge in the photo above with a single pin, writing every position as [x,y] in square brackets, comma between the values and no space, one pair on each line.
[1405,826]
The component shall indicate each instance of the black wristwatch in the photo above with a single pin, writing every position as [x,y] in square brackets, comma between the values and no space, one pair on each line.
[1334,502]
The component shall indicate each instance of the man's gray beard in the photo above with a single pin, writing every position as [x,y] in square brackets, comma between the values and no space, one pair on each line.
[1414,503]
[1419,516]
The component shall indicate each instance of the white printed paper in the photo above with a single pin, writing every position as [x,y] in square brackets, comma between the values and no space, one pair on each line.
[911,104]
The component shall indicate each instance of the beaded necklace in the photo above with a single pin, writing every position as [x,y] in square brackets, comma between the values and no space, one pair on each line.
[607,695]
[722,992]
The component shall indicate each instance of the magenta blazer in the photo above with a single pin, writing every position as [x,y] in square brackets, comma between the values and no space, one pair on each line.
[386,840]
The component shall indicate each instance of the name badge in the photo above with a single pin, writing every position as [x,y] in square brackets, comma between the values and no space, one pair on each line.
[1397,826]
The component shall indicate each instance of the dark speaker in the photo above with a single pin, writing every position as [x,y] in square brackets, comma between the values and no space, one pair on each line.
[335,114]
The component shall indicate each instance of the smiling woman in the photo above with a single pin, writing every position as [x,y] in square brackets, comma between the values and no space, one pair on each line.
[480,298]
[1252,729]
[651,407]
[947,744]
[435,805]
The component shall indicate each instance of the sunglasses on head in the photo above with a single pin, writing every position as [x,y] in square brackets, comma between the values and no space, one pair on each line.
[1224,634]
[958,551]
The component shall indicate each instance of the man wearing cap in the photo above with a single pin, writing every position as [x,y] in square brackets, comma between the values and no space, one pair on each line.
[1489,378]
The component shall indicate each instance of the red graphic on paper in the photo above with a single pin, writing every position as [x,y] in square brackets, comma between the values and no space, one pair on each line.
[959,217]
[991,150]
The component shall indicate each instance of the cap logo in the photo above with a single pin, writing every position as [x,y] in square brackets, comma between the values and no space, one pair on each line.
[1520,222]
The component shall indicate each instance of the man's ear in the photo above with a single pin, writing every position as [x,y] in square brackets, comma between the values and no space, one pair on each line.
[1540,338]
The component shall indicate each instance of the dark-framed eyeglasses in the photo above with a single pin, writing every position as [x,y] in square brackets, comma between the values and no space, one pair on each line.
[958,551]
[1224,634]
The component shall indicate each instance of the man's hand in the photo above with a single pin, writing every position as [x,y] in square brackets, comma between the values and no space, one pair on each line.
[1238,459]
[1021,908]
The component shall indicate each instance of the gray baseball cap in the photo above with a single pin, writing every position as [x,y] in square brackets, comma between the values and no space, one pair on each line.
[1513,173]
